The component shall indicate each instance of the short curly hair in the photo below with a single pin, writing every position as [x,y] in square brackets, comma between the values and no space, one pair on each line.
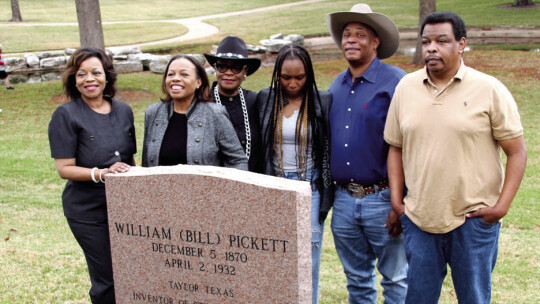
[73,65]
[458,24]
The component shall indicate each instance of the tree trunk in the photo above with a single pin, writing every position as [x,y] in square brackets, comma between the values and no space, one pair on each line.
[15,12]
[426,7]
[90,29]
[523,2]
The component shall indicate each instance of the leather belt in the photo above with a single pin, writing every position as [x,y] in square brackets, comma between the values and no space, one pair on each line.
[360,191]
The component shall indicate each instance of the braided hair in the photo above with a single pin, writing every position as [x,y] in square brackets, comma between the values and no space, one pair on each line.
[308,125]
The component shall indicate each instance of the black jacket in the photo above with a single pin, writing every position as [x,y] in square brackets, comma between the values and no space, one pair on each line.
[324,183]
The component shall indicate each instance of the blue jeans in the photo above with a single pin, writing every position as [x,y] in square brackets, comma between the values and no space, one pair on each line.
[316,230]
[470,250]
[361,239]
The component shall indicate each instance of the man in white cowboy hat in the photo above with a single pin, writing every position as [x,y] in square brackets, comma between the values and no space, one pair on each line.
[364,226]
[446,125]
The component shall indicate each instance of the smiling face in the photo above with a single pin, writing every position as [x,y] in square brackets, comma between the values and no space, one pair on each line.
[293,78]
[91,80]
[359,43]
[228,81]
[181,80]
[441,51]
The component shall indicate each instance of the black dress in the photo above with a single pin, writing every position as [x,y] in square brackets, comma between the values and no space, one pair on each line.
[94,140]
[236,116]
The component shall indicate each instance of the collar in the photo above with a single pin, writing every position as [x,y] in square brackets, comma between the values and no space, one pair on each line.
[369,75]
[170,108]
[459,75]
[214,84]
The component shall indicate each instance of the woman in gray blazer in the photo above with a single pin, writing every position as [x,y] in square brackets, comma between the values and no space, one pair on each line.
[185,128]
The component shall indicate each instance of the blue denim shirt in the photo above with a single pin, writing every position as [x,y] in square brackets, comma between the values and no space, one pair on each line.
[358,151]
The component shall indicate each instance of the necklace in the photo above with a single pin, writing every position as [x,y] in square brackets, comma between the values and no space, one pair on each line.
[244,112]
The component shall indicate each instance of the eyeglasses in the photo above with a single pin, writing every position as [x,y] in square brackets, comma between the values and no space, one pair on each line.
[235,68]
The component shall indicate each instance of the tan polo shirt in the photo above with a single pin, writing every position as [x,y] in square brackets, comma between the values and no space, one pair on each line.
[451,158]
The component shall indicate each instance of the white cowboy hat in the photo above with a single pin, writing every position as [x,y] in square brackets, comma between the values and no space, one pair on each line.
[383,26]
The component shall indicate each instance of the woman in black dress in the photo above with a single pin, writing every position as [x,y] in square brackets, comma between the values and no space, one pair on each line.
[91,136]
[232,66]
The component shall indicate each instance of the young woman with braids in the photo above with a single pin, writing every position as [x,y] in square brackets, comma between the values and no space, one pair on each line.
[294,124]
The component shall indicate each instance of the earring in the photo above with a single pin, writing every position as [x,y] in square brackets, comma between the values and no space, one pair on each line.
[245,76]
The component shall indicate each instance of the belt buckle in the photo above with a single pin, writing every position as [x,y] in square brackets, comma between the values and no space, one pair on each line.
[356,190]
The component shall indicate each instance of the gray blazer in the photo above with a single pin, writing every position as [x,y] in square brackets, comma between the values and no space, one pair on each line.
[211,139]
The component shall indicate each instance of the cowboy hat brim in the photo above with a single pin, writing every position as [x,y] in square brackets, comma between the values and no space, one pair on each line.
[253,64]
[385,29]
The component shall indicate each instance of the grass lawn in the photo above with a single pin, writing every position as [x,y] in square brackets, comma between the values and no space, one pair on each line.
[20,39]
[306,19]
[41,262]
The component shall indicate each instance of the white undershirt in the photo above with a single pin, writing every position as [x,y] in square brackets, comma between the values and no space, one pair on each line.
[290,157]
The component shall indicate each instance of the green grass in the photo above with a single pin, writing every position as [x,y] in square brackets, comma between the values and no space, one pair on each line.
[42,263]
[20,39]
[307,19]
[126,10]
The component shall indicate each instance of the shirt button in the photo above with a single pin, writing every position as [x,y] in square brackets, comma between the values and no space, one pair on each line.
[352,92]
[116,153]
[346,127]
[200,124]
[346,145]
[157,124]
[231,99]
[153,140]
[349,109]
[196,161]
[243,142]
[352,179]
[348,163]
[151,160]
[361,81]
[197,140]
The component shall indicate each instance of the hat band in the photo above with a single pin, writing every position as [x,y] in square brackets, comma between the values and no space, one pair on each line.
[229,55]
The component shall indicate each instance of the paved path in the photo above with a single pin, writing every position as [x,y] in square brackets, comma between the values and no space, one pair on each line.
[196,27]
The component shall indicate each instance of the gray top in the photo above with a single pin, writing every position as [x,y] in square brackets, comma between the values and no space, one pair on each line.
[211,139]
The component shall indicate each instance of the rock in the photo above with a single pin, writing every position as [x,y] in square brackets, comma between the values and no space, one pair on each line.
[256,48]
[53,75]
[295,38]
[53,62]
[14,64]
[158,64]
[273,46]
[17,78]
[276,36]
[143,58]
[123,67]
[49,55]
[34,78]
[32,60]
[200,58]
[69,51]
[120,57]
[124,50]
[210,71]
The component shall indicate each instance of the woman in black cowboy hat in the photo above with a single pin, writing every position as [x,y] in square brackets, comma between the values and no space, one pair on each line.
[232,66]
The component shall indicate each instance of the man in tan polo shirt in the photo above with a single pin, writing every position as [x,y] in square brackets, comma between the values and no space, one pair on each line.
[446,125]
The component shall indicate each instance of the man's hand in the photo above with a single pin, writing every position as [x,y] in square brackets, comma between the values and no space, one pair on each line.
[393,224]
[490,215]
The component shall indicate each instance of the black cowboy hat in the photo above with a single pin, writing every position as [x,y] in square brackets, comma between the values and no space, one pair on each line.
[234,48]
